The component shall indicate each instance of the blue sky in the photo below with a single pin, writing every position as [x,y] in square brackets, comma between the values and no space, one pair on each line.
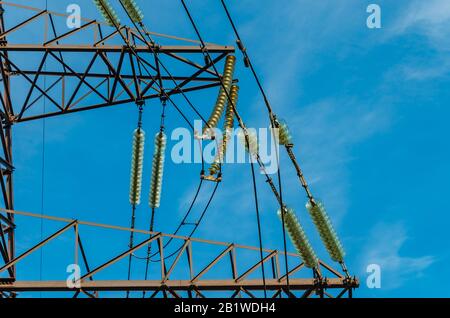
[367,109]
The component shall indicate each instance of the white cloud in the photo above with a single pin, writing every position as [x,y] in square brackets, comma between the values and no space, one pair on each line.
[431,21]
[384,248]
[430,18]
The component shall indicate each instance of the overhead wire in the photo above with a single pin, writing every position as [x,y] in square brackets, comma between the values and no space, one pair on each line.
[207,55]
[166,96]
[159,62]
[317,211]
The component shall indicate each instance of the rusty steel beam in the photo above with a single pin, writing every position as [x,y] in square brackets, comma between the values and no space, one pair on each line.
[114,48]
[178,285]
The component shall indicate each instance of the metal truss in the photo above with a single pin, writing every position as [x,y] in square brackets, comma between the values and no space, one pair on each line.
[86,69]
[104,73]
[121,75]
[236,283]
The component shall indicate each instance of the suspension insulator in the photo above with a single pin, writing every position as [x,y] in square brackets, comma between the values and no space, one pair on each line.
[137,161]
[299,238]
[252,147]
[133,10]
[284,135]
[326,231]
[228,126]
[222,97]
[107,12]
[157,170]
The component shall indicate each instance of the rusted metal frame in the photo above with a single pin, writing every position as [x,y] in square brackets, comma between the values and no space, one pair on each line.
[30,81]
[173,293]
[7,159]
[175,262]
[114,103]
[308,292]
[342,293]
[83,77]
[152,285]
[3,243]
[6,139]
[234,270]
[134,76]
[328,294]
[84,257]
[161,257]
[153,295]
[6,220]
[196,74]
[146,232]
[8,108]
[35,9]
[83,80]
[124,76]
[36,77]
[37,246]
[144,62]
[117,78]
[275,267]
[69,33]
[254,267]
[121,92]
[6,228]
[289,293]
[148,86]
[292,271]
[111,48]
[158,72]
[79,100]
[330,269]
[119,257]
[8,166]
[2,113]
[198,292]
[22,24]
[136,35]
[190,260]
[87,20]
[208,267]
[277,293]
[52,23]
[88,294]
[247,292]
[233,263]
[3,250]
[235,293]
[109,36]
[10,198]
[48,89]
[191,89]
[191,63]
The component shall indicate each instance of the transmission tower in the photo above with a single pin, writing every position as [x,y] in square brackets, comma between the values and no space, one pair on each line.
[121,65]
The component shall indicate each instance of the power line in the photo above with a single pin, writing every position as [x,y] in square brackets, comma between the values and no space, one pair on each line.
[240,121]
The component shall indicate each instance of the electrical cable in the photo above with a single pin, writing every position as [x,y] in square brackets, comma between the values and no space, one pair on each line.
[241,123]
[288,145]
[177,87]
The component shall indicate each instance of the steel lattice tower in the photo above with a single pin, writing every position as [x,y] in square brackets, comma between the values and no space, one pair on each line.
[119,83]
